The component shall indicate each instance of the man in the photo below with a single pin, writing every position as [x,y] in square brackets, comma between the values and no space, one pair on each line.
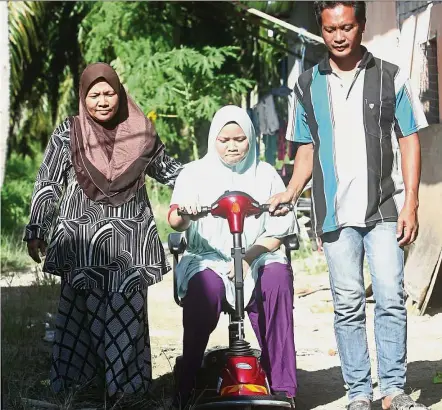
[356,121]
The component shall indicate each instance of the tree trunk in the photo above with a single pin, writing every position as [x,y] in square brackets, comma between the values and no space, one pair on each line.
[4,86]
[194,142]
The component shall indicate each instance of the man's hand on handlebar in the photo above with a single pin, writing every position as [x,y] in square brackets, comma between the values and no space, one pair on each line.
[283,197]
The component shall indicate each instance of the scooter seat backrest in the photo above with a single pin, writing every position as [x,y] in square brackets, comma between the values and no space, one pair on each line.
[177,243]
[291,242]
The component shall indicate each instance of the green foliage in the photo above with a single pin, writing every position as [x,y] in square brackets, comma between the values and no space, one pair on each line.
[184,83]
[44,57]
[24,19]
[110,24]
[14,255]
[15,202]
[17,191]
[175,58]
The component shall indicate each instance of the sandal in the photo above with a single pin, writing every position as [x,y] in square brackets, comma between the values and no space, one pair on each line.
[405,402]
[359,405]
[284,395]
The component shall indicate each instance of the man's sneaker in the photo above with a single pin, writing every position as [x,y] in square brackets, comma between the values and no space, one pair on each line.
[405,402]
[359,405]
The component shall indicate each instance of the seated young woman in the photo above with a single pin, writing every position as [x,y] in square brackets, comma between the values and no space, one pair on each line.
[205,271]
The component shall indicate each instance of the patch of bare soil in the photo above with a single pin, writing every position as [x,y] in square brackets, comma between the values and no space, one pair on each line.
[319,374]
[320,381]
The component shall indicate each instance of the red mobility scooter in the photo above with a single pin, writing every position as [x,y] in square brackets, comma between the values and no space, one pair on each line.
[232,378]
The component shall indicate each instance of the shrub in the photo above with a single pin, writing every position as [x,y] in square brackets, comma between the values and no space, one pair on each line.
[17,191]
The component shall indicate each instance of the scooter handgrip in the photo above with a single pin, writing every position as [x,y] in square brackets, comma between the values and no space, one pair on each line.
[266,207]
[204,211]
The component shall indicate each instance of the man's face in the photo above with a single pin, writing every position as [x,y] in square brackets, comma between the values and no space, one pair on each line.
[341,31]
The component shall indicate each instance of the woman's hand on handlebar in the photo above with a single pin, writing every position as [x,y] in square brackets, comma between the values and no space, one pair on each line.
[283,197]
[193,209]
[245,270]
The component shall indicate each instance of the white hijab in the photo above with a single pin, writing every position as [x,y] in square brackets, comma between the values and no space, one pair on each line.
[215,175]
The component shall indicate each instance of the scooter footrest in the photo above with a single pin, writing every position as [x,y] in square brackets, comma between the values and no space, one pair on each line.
[243,402]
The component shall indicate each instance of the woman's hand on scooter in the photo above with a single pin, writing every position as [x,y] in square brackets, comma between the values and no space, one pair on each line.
[245,271]
[193,209]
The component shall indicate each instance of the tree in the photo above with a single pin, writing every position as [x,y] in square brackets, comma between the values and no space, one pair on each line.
[43,68]
[4,86]
[50,43]
[183,83]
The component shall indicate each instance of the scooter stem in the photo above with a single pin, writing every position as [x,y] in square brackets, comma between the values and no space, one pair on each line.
[238,256]
[237,343]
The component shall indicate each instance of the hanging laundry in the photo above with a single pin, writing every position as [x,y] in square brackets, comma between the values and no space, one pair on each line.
[271,147]
[254,116]
[267,115]
[282,142]
[291,150]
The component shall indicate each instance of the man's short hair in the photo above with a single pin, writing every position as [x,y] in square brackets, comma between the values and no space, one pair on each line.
[358,6]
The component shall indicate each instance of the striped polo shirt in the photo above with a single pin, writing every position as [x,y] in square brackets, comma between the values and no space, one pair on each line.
[354,127]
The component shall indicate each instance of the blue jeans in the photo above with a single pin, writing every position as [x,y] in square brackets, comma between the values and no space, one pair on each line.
[344,250]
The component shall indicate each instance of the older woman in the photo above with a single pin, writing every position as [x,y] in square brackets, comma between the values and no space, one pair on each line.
[205,270]
[91,207]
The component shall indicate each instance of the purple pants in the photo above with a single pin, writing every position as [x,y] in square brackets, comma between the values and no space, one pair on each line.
[271,315]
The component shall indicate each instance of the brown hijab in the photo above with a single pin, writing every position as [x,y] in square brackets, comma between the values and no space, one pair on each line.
[110,158]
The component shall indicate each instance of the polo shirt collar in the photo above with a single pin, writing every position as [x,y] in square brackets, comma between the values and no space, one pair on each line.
[325,67]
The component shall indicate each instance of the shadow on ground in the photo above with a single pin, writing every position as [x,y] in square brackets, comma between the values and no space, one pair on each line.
[319,388]
[420,377]
[316,388]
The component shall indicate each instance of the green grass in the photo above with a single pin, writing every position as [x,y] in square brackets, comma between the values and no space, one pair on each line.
[307,260]
[160,212]
[26,357]
[14,255]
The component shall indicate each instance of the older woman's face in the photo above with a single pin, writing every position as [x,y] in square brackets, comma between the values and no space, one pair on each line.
[232,144]
[102,101]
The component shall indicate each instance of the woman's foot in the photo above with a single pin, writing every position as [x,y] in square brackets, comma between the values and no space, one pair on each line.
[285,396]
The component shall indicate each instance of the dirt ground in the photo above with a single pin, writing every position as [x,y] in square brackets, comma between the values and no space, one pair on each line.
[320,381]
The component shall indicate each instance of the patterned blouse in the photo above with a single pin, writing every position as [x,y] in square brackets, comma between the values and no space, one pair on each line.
[92,245]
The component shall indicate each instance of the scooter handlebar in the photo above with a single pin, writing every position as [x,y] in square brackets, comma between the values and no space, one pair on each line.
[266,207]
[204,211]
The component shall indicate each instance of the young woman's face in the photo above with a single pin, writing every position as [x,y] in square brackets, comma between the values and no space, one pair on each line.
[232,144]
[102,101]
